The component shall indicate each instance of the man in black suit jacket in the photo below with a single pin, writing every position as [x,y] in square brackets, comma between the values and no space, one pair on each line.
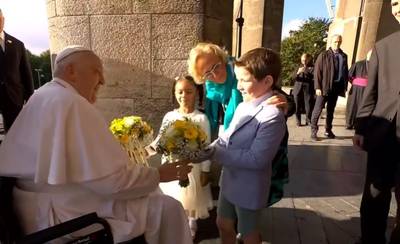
[378,132]
[16,87]
[330,81]
[16,84]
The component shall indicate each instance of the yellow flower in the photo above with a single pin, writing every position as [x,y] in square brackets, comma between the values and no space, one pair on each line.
[180,124]
[191,133]
[202,136]
[170,145]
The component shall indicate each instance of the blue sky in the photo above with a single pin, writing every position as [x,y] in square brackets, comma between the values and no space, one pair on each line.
[29,22]
[296,11]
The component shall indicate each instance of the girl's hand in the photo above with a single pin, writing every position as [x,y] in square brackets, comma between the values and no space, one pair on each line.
[204,178]
[278,100]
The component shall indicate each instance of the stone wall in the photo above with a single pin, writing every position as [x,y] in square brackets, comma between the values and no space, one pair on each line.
[347,23]
[144,45]
[362,23]
[218,23]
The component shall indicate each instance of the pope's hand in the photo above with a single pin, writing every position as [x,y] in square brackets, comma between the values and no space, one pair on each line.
[174,171]
[279,100]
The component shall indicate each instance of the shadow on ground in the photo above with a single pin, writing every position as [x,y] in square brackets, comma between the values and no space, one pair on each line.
[325,171]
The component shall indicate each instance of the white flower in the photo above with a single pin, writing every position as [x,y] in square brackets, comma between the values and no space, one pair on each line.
[129,121]
[193,145]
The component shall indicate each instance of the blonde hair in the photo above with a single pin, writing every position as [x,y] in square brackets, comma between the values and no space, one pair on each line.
[201,49]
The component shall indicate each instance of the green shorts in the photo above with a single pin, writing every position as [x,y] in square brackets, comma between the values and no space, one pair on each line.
[248,219]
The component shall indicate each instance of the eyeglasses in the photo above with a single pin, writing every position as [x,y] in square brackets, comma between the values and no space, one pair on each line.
[207,75]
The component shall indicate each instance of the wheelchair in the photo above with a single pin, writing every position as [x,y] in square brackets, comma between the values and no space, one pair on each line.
[11,231]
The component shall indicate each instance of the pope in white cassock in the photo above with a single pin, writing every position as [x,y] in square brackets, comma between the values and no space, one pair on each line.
[67,163]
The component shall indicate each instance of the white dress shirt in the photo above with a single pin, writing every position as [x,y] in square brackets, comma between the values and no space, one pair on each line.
[2,40]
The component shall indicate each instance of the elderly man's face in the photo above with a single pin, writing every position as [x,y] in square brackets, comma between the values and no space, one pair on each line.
[336,42]
[88,73]
[396,9]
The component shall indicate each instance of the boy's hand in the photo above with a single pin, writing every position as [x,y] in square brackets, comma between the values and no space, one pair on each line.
[204,178]
[278,100]
[205,154]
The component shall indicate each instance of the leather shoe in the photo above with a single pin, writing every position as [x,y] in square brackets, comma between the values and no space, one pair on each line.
[329,134]
[314,137]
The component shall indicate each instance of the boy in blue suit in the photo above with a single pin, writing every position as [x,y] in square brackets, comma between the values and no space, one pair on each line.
[246,149]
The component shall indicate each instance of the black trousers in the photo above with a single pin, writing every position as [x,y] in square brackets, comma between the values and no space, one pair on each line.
[320,102]
[383,172]
[9,117]
[303,95]
[8,109]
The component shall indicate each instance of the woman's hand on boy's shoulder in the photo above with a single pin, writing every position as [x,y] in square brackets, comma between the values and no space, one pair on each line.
[278,100]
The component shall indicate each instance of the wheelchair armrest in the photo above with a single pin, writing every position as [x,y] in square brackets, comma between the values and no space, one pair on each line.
[68,227]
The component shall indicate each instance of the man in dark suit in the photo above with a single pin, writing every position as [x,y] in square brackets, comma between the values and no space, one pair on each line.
[15,88]
[16,84]
[378,132]
[330,81]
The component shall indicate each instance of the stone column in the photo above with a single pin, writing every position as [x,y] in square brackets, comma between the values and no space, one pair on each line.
[262,24]
[218,23]
[369,27]
[347,23]
[272,31]
[144,45]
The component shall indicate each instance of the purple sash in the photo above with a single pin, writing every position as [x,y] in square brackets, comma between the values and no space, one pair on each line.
[360,82]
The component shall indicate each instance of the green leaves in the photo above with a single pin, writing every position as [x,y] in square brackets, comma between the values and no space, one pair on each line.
[41,68]
[310,38]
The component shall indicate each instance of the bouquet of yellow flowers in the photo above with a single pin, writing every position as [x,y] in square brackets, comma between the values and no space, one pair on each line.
[133,134]
[181,139]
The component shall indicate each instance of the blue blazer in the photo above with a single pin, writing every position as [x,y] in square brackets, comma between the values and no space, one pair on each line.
[246,151]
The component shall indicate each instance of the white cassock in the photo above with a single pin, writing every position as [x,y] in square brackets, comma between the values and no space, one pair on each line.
[68,164]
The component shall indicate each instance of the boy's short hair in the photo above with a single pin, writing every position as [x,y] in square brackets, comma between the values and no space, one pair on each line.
[261,62]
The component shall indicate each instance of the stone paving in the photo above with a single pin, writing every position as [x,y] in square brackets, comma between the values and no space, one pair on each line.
[322,200]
